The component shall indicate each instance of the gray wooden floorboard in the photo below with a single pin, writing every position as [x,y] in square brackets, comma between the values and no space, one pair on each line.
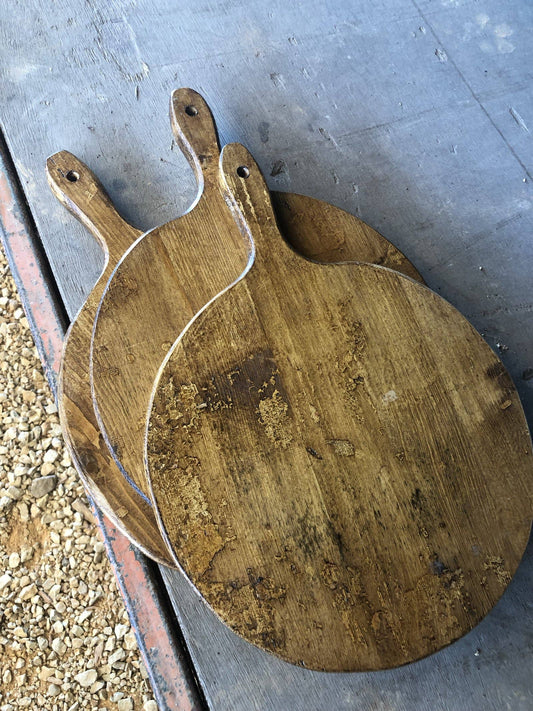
[414,114]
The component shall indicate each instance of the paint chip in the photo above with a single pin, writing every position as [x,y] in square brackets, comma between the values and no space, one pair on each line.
[389,397]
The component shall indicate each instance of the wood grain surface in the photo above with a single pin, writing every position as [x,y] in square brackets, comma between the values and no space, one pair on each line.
[340,462]
[176,269]
[80,191]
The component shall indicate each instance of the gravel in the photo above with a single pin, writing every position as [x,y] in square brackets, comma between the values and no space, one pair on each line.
[65,638]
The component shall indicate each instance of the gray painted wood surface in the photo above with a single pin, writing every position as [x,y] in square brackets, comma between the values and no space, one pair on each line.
[416,116]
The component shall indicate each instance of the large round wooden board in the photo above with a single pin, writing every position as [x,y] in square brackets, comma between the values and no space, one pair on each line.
[340,463]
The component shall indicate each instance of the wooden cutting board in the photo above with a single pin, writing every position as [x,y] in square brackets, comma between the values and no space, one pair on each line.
[340,463]
[342,237]
[176,269]
[81,192]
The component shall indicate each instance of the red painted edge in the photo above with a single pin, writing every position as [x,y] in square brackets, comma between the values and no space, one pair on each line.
[166,660]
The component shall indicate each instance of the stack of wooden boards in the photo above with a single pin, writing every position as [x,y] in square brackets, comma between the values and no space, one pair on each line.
[264,393]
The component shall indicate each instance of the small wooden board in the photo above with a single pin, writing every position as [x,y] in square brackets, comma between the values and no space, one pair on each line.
[81,192]
[176,269]
[340,463]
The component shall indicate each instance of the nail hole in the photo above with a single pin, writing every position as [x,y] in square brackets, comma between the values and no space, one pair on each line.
[243,171]
[191,110]
[72,176]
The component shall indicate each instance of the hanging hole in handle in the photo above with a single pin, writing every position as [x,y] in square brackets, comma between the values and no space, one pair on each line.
[243,171]
[191,110]
[72,176]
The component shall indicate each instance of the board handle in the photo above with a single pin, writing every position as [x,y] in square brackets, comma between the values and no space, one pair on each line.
[80,191]
[247,192]
[196,134]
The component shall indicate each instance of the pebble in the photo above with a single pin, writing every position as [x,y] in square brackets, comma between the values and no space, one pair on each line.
[125,705]
[116,656]
[121,630]
[14,493]
[87,678]
[53,690]
[5,502]
[129,640]
[14,560]
[150,705]
[47,468]
[5,580]
[59,646]
[43,485]
[28,591]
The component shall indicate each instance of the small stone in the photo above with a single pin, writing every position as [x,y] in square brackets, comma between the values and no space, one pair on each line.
[50,455]
[10,434]
[14,561]
[7,676]
[53,690]
[77,631]
[28,591]
[43,485]
[87,678]
[47,468]
[14,493]
[129,641]
[125,705]
[59,646]
[116,656]
[45,673]
[5,502]
[150,705]
[121,630]
[26,553]
[5,580]
[24,512]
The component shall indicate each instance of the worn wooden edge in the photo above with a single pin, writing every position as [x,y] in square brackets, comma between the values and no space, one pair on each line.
[164,654]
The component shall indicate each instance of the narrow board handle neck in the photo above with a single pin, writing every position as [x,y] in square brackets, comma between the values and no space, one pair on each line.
[196,134]
[249,197]
[80,191]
